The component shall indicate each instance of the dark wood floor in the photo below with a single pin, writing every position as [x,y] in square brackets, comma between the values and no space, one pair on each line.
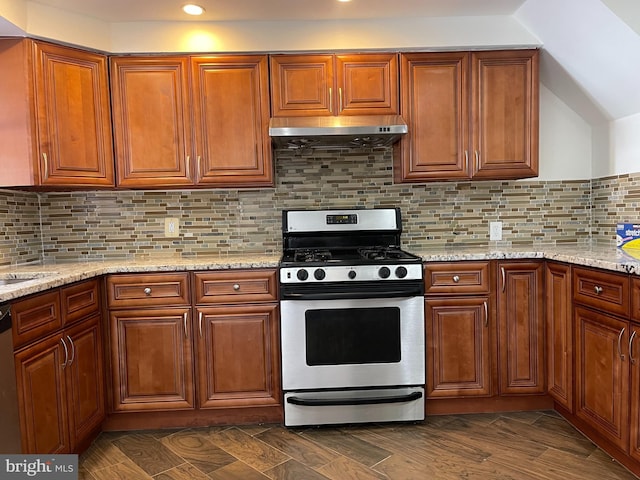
[518,446]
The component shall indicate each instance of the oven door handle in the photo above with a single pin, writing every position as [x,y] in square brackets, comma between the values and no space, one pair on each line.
[326,402]
[350,295]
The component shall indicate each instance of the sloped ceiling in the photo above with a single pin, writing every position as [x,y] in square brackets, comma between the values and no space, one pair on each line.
[591,48]
[592,53]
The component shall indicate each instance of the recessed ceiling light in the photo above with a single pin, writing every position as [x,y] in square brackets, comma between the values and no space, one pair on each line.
[344,1]
[192,9]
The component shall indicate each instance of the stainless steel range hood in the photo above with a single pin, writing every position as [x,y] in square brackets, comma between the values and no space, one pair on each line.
[364,131]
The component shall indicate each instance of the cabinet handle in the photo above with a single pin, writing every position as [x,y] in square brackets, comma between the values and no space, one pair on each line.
[188,167]
[486,314]
[200,323]
[466,159]
[147,291]
[620,354]
[66,354]
[340,106]
[598,290]
[477,160]
[504,282]
[330,100]
[456,279]
[73,350]
[46,165]
[633,360]
[198,168]
[184,321]
[236,287]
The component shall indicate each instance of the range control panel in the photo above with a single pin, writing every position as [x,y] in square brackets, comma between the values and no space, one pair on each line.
[345,273]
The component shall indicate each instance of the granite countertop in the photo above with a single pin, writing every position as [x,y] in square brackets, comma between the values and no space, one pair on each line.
[53,275]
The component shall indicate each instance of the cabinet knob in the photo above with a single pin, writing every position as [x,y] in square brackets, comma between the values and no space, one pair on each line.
[598,290]
[147,291]
[236,287]
[456,279]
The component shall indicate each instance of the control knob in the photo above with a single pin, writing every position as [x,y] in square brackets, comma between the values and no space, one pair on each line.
[384,272]
[401,272]
[352,274]
[319,274]
[302,274]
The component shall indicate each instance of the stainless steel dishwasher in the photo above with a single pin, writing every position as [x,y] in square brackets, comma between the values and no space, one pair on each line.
[10,438]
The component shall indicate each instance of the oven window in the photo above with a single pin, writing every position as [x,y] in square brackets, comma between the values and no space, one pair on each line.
[353,336]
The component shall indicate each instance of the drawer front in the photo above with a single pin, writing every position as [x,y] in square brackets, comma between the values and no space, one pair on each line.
[234,286]
[79,301]
[35,317]
[148,290]
[456,277]
[602,290]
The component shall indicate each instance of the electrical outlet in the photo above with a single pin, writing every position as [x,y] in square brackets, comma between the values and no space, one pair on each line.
[495,230]
[171,227]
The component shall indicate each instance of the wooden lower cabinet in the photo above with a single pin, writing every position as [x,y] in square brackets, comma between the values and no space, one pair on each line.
[42,394]
[59,377]
[458,347]
[237,356]
[602,374]
[152,364]
[559,326]
[521,361]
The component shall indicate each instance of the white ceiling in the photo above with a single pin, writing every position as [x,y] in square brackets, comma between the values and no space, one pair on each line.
[247,10]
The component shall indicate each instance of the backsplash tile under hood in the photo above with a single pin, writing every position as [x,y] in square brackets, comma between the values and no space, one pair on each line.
[105,224]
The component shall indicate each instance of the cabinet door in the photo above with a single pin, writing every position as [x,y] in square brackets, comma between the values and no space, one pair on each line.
[42,395]
[602,374]
[85,380]
[302,85]
[634,360]
[238,356]
[505,114]
[559,334]
[435,106]
[521,328]
[231,118]
[367,84]
[458,347]
[73,117]
[152,359]
[151,118]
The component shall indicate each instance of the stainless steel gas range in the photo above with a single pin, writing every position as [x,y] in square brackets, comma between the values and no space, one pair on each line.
[352,319]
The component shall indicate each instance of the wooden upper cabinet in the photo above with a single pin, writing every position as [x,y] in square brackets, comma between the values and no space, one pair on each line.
[505,111]
[435,105]
[56,102]
[196,121]
[152,124]
[471,115]
[231,112]
[326,85]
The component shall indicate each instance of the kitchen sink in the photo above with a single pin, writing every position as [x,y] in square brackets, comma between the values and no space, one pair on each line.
[14,278]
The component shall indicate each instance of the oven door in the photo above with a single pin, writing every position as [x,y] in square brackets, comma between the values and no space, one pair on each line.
[352,343]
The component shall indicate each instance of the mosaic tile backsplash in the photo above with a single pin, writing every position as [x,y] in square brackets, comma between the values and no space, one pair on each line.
[107,224]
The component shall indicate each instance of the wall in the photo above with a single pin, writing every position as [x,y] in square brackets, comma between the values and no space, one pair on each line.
[108,224]
[20,225]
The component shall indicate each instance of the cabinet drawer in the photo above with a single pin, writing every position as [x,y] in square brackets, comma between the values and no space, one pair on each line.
[236,286]
[79,301]
[148,290]
[456,277]
[35,317]
[602,290]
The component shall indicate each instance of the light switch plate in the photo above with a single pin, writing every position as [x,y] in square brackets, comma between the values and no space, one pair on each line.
[171,227]
[495,230]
